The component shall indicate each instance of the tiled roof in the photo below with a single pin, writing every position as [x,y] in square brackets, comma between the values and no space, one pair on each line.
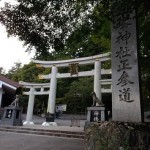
[10,82]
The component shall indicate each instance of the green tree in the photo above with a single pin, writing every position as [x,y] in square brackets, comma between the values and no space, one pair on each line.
[78,96]
[40,24]
[13,72]
[28,73]
[46,25]
[91,37]
[2,71]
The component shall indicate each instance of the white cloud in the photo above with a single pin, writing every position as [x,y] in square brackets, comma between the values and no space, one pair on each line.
[11,51]
[8,1]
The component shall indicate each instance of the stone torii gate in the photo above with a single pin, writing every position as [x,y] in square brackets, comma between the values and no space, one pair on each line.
[32,92]
[73,64]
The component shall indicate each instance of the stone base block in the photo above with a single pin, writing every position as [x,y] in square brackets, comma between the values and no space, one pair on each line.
[28,123]
[117,136]
[12,116]
[49,124]
[98,113]
[50,118]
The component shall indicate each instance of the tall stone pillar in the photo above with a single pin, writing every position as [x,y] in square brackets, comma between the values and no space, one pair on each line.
[126,93]
[52,94]
[97,77]
[29,120]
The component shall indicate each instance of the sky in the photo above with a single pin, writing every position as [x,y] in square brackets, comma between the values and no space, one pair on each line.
[11,49]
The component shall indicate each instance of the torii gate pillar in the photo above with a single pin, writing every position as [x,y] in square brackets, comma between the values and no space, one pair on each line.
[29,120]
[97,77]
[52,96]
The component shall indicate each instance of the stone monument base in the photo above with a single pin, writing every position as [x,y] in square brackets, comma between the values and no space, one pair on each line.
[28,123]
[12,116]
[97,113]
[49,124]
[50,117]
[117,136]
[50,120]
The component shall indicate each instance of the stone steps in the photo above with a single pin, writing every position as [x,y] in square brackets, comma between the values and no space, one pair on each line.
[47,132]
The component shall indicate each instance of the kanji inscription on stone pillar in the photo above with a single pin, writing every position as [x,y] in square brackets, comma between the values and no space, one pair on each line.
[126,102]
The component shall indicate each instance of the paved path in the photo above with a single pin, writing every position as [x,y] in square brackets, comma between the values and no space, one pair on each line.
[15,141]
[19,141]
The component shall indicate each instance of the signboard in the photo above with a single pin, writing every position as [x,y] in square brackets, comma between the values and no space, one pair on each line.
[126,105]
[73,69]
[61,107]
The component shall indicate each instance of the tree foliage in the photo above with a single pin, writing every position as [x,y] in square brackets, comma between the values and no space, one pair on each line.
[13,73]
[46,25]
[67,26]
[28,73]
[2,71]
[43,24]
[78,97]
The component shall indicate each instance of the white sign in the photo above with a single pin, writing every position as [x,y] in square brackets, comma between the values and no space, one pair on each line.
[61,107]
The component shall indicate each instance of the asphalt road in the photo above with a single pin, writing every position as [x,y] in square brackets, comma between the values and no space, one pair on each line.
[15,141]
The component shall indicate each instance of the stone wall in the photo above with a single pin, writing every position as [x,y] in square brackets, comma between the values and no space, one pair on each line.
[117,136]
